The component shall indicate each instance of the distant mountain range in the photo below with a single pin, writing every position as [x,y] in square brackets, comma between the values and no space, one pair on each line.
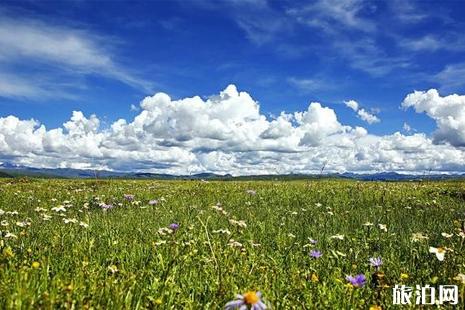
[13,170]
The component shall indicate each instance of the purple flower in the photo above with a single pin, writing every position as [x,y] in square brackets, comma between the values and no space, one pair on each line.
[174,226]
[129,197]
[106,207]
[315,254]
[153,202]
[376,262]
[357,281]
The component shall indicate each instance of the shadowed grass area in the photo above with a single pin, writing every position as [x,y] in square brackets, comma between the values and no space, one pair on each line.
[59,248]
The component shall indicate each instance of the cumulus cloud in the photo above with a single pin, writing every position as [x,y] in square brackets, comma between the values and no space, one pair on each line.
[448,112]
[362,113]
[225,133]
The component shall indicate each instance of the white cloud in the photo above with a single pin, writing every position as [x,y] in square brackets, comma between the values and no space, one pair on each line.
[72,51]
[406,127]
[451,77]
[448,112]
[227,133]
[352,104]
[309,85]
[370,118]
[328,14]
[367,117]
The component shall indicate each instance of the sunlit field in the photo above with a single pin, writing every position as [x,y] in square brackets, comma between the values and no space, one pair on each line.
[123,244]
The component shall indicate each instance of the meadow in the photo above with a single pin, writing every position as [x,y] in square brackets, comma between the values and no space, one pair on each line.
[136,244]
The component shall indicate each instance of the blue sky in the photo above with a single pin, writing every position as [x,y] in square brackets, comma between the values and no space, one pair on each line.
[104,57]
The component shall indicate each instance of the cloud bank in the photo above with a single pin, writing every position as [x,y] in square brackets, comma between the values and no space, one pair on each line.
[228,134]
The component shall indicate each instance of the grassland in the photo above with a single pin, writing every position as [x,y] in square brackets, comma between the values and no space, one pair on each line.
[84,244]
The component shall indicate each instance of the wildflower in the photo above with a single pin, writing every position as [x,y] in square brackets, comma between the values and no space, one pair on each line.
[314,278]
[312,241]
[10,235]
[222,231]
[315,254]
[376,307]
[460,277]
[383,227]
[129,197]
[376,262]
[4,223]
[106,207]
[217,207]
[416,237]
[23,224]
[113,269]
[83,224]
[340,237]
[357,281]
[73,220]
[367,224]
[46,217]
[250,298]
[38,209]
[153,202]
[461,233]
[446,235]
[59,209]
[440,252]
[240,224]
[164,230]
[35,265]
[2,212]
[8,252]
[404,276]
[234,244]
[251,192]
[174,226]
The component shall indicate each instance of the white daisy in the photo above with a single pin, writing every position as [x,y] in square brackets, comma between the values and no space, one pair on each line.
[59,209]
[249,299]
[446,235]
[440,252]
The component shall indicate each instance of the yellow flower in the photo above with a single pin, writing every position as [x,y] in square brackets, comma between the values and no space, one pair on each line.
[35,265]
[113,269]
[8,252]
[251,298]
[404,276]
[158,301]
[376,307]
[460,277]
[315,278]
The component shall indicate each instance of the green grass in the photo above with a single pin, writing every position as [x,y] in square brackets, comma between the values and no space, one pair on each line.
[196,268]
